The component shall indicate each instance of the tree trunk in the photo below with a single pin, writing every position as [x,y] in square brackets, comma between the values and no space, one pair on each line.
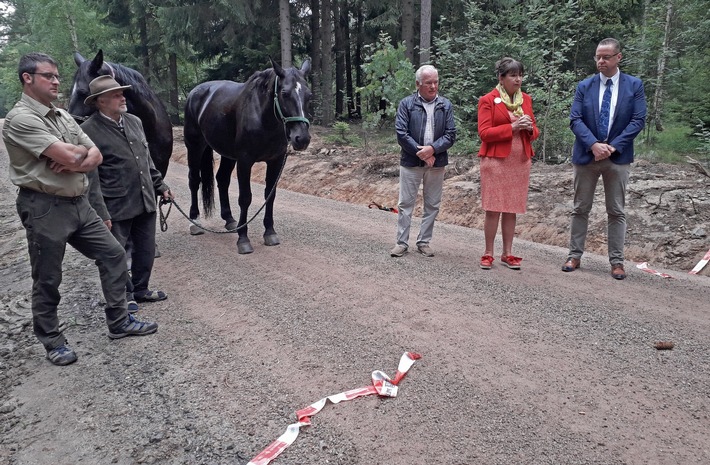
[658,94]
[173,89]
[316,61]
[143,45]
[360,33]
[327,62]
[408,28]
[425,33]
[645,49]
[349,90]
[72,30]
[285,27]
[339,9]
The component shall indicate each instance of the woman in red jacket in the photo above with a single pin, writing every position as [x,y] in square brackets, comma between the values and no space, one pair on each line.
[506,126]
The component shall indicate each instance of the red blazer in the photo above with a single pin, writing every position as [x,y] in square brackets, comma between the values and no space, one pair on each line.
[496,129]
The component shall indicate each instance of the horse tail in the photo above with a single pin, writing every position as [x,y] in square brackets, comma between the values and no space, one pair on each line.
[207,175]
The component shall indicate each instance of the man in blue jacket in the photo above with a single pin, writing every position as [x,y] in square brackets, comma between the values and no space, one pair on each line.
[425,131]
[608,112]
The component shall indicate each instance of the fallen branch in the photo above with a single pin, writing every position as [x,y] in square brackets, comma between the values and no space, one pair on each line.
[692,202]
[698,166]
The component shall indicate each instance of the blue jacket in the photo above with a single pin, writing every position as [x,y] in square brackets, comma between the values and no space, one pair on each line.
[629,119]
[409,124]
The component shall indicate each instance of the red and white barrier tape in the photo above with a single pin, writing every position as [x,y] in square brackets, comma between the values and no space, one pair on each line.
[381,385]
[701,264]
[382,207]
[644,267]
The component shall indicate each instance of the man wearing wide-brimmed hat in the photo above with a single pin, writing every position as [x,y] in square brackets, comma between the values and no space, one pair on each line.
[129,183]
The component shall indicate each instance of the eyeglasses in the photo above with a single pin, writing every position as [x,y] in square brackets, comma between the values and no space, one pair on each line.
[49,76]
[604,57]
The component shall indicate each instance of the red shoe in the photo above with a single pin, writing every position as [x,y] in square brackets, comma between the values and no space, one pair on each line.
[511,262]
[486,262]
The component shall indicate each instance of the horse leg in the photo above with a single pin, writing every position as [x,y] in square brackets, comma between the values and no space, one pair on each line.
[195,155]
[224,178]
[244,179]
[273,169]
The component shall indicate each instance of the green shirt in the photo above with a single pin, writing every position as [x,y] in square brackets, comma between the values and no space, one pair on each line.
[30,128]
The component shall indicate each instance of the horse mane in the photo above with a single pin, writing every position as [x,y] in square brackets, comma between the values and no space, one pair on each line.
[260,80]
[129,76]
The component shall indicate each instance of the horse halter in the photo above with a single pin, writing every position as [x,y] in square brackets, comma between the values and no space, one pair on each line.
[277,109]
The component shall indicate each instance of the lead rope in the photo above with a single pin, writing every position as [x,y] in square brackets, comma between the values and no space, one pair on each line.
[164,217]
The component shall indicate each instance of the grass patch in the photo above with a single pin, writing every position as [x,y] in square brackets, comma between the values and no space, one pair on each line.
[670,146]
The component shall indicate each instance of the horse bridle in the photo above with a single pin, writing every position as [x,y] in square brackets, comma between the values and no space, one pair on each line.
[279,113]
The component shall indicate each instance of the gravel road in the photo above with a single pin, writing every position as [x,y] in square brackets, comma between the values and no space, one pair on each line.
[518,367]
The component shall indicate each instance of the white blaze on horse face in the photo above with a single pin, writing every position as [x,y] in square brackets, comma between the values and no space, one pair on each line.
[300,99]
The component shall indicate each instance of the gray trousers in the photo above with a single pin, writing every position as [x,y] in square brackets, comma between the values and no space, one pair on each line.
[409,181]
[615,178]
[51,222]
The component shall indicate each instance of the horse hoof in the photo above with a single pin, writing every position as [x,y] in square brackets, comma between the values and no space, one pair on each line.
[196,230]
[272,239]
[231,226]
[244,248]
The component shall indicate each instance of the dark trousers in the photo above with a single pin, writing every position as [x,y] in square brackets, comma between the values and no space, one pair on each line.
[51,222]
[140,230]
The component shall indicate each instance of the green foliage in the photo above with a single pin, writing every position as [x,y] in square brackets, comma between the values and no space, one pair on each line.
[342,135]
[669,146]
[539,34]
[54,27]
[389,76]
[555,39]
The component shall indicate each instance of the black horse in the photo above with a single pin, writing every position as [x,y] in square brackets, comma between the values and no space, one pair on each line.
[140,98]
[244,123]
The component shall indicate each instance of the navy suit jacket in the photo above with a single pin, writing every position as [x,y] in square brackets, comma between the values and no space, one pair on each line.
[629,119]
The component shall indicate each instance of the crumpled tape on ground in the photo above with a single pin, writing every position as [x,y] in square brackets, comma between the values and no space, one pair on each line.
[701,264]
[644,267]
[381,385]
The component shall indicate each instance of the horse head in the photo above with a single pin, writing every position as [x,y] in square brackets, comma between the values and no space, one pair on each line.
[291,98]
[86,72]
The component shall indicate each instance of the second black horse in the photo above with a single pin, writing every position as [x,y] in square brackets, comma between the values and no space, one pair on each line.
[142,101]
[244,123]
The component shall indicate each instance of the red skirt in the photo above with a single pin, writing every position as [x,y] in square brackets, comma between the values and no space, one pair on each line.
[505,181]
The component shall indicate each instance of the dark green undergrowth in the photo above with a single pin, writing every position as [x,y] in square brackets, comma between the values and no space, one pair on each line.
[672,145]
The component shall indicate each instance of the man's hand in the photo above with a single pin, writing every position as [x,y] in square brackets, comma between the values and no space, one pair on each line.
[602,151]
[168,195]
[426,154]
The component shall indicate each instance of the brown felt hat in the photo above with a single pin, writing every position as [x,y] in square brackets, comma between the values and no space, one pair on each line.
[101,85]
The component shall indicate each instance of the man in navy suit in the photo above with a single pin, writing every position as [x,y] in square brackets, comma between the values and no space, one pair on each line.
[605,127]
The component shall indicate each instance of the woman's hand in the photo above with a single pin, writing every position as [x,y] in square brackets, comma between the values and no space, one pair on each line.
[523,123]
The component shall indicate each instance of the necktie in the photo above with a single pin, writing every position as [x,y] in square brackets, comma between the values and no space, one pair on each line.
[604,112]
